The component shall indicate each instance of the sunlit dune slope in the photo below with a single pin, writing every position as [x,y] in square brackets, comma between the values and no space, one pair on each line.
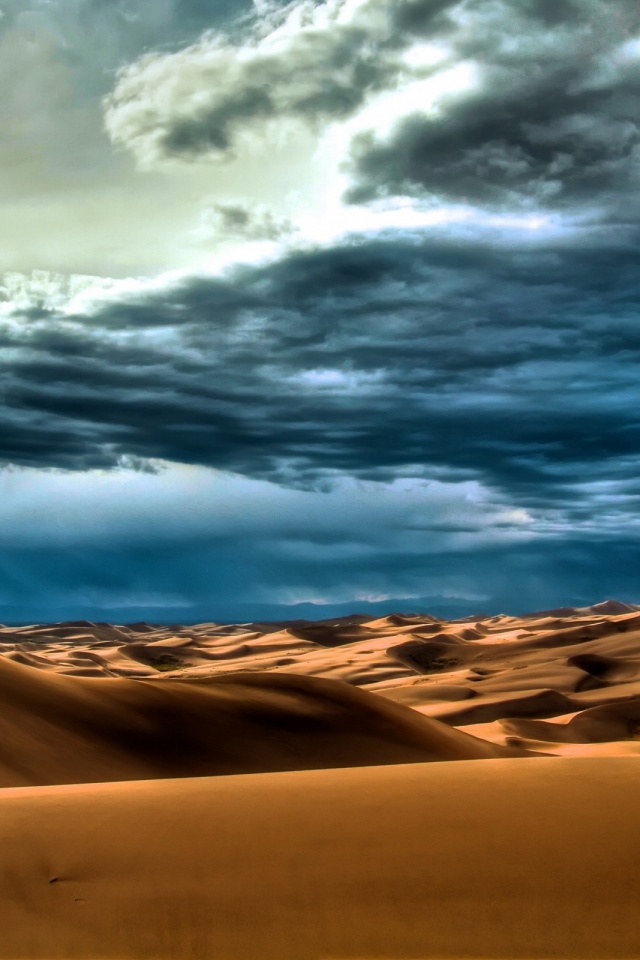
[489,677]
[60,729]
[504,859]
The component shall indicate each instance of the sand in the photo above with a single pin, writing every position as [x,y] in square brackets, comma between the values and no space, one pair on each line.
[58,729]
[286,790]
[470,674]
[503,858]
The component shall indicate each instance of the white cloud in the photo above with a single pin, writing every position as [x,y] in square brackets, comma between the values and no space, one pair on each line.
[47,290]
[212,97]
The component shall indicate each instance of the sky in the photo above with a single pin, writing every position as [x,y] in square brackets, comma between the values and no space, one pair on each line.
[318,307]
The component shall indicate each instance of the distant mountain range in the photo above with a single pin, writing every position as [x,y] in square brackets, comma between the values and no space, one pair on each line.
[436,607]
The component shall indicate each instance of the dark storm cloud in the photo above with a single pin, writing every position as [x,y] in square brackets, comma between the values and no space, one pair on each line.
[396,357]
[208,580]
[552,120]
[420,18]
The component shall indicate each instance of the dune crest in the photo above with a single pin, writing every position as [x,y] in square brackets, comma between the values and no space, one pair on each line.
[59,729]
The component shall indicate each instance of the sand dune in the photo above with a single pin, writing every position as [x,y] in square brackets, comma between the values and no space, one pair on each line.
[620,721]
[466,673]
[61,729]
[504,859]
[225,835]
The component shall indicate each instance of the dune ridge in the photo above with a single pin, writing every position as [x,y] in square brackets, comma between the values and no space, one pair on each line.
[58,729]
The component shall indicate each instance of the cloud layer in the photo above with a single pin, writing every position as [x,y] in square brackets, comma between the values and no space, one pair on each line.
[312,62]
[189,544]
[502,104]
[389,357]
[418,376]
[551,121]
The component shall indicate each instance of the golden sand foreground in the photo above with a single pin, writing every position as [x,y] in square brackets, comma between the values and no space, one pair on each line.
[495,858]
[285,791]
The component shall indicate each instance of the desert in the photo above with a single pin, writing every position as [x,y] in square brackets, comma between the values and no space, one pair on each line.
[319,459]
[404,787]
